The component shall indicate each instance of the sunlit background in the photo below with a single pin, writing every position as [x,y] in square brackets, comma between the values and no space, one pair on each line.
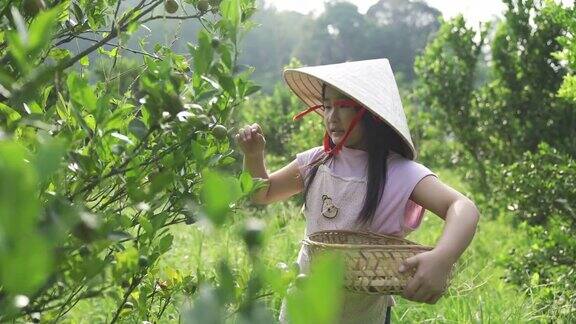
[473,11]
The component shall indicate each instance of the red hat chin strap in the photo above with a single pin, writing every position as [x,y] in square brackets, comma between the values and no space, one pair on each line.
[302,113]
[326,141]
[336,149]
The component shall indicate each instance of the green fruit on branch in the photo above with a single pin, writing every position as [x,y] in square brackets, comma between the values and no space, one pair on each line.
[178,79]
[220,132]
[84,251]
[205,120]
[200,120]
[171,6]
[35,317]
[189,220]
[32,7]
[143,261]
[174,103]
[215,42]
[202,5]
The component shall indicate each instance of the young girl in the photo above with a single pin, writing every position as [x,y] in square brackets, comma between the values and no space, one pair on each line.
[364,177]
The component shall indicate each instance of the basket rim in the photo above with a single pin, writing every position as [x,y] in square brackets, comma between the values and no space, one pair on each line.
[409,246]
[369,246]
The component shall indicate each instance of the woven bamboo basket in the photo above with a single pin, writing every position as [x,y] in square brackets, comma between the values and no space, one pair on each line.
[371,260]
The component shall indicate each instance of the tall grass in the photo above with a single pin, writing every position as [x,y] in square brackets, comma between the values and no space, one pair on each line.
[477,293]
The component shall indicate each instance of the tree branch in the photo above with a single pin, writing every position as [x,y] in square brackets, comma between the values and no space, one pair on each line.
[136,279]
[122,47]
[172,17]
[115,15]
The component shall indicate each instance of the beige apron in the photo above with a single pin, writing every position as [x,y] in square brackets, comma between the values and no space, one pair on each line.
[333,203]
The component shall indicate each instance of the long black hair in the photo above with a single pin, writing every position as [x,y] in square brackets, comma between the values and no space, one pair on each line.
[381,139]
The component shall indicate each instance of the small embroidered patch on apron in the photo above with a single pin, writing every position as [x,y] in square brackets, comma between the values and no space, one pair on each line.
[328,208]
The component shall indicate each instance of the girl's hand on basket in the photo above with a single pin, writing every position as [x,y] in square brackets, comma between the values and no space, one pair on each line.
[430,280]
[251,140]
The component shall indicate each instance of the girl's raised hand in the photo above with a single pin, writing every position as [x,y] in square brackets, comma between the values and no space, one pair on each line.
[430,280]
[251,140]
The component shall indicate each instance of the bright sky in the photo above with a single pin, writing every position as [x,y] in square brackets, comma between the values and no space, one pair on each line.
[473,10]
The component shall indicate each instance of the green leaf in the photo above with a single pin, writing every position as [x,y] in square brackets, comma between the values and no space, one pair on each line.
[25,267]
[42,30]
[122,137]
[25,259]
[20,25]
[111,53]
[197,152]
[81,92]
[251,89]
[568,88]
[217,193]
[206,308]
[119,235]
[231,11]
[227,84]
[132,27]
[6,78]
[49,158]
[18,51]
[146,225]
[227,286]
[90,121]
[17,190]
[319,298]
[85,61]
[226,56]
[203,53]
[59,53]
[78,13]
[127,260]
[159,182]
[246,182]
[135,191]
[165,243]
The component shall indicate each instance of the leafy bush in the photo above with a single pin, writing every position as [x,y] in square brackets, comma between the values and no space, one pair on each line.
[541,196]
[496,121]
[95,171]
[500,128]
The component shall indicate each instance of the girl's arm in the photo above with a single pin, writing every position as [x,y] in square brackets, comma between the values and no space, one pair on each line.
[458,211]
[433,267]
[281,184]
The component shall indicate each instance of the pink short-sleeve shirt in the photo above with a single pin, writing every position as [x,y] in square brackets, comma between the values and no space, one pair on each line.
[396,214]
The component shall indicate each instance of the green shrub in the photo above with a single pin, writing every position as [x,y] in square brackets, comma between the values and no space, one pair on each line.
[540,196]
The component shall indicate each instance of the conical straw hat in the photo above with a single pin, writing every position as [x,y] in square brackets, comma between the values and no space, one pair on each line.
[370,83]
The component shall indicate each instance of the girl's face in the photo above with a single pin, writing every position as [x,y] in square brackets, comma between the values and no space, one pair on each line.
[337,120]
